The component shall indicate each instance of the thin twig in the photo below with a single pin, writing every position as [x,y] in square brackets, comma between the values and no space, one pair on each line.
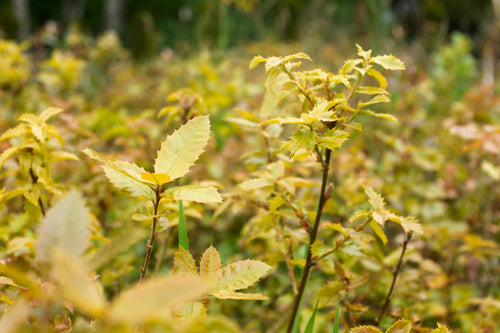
[149,244]
[394,278]
[312,239]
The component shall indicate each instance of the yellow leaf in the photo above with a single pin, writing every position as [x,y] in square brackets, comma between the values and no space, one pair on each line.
[154,299]
[76,285]
[365,329]
[155,178]
[237,295]
[210,264]
[203,194]
[184,263]
[241,274]
[388,62]
[401,326]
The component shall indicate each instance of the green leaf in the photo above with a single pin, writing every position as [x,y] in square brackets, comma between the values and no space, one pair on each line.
[375,199]
[388,62]
[183,237]
[241,275]
[181,149]
[76,285]
[302,138]
[336,321]
[401,326]
[124,175]
[195,193]
[154,299]
[255,61]
[66,225]
[210,264]
[310,322]
[333,139]
[365,329]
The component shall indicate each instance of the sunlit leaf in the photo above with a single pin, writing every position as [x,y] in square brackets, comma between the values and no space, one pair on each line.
[203,194]
[255,61]
[388,62]
[48,113]
[365,329]
[184,263]
[155,178]
[210,264]
[180,150]
[241,274]
[401,326]
[238,295]
[380,115]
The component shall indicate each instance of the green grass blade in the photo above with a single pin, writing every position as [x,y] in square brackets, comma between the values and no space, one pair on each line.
[183,237]
[310,323]
[336,322]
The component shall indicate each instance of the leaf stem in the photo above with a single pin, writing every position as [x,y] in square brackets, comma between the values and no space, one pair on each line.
[154,234]
[312,239]
[394,278]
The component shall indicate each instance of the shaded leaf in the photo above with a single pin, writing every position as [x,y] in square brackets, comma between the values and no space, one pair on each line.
[66,225]
[310,323]
[190,311]
[154,299]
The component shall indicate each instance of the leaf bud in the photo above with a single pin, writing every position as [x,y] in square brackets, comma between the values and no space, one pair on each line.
[329,191]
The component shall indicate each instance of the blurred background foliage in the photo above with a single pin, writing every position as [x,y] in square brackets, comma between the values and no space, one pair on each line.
[166,61]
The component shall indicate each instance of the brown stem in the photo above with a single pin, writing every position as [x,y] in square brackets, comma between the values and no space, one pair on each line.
[34,180]
[394,278]
[312,239]
[149,244]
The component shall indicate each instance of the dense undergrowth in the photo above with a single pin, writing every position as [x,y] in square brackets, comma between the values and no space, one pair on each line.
[275,157]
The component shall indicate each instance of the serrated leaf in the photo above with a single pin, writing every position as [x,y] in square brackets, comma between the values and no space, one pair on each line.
[378,231]
[124,175]
[362,53]
[48,113]
[375,199]
[333,139]
[349,65]
[7,153]
[241,274]
[318,248]
[210,264]
[375,100]
[365,329]
[184,263]
[440,329]
[73,278]
[378,76]
[255,61]
[180,150]
[410,224]
[154,299]
[380,115]
[401,326]
[17,131]
[329,294]
[29,118]
[238,295]
[302,138]
[8,281]
[388,62]
[286,120]
[299,55]
[273,62]
[66,225]
[203,194]
[359,214]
